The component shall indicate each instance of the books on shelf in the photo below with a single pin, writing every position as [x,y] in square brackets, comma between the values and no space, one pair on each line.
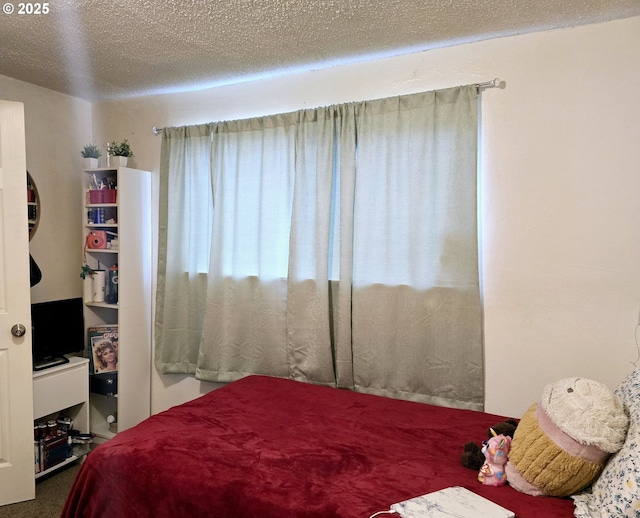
[50,451]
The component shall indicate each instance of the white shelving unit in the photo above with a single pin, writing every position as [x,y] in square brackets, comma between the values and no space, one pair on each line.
[132,311]
[62,390]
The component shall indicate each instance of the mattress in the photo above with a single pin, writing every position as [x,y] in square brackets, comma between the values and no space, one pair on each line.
[270,447]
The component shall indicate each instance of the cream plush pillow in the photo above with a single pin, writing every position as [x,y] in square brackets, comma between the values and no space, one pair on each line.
[616,492]
[563,443]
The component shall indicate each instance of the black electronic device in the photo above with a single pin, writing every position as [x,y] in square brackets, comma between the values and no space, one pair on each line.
[104,383]
[57,329]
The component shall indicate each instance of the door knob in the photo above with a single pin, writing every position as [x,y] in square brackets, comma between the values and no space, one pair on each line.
[18,330]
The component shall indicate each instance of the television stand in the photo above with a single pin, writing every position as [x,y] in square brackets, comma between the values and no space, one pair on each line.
[63,389]
[50,362]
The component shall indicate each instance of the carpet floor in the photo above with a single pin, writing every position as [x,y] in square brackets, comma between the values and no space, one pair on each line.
[51,493]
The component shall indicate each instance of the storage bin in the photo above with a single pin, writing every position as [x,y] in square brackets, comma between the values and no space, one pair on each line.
[103,196]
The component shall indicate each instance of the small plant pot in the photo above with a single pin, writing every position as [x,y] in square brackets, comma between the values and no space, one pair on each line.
[119,161]
[90,163]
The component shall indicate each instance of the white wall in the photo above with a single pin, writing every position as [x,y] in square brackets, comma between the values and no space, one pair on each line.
[560,177]
[57,126]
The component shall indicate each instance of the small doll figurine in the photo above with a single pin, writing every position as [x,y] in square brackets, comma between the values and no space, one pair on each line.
[496,451]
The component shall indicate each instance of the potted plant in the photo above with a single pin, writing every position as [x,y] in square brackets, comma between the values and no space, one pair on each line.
[86,274]
[119,152]
[90,153]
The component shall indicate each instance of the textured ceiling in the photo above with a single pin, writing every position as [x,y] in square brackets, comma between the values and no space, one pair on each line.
[99,49]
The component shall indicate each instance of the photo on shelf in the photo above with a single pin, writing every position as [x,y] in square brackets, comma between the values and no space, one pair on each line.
[103,348]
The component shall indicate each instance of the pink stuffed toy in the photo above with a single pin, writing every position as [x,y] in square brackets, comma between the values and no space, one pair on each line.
[496,451]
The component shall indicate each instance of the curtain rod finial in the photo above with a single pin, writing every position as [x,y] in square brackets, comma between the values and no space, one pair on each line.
[495,83]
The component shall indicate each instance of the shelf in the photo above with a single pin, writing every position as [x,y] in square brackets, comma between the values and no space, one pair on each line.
[101,305]
[102,250]
[102,431]
[62,389]
[132,210]
[69,460]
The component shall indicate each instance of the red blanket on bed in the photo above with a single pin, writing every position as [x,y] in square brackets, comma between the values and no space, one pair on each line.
[271,448]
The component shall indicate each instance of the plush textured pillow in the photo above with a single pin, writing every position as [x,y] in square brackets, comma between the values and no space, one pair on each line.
[562,444]
[616,492]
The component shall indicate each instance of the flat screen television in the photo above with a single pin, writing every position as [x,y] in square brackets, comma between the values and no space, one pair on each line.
[57,329]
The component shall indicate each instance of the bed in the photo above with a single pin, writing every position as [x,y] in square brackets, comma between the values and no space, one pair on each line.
[268,447]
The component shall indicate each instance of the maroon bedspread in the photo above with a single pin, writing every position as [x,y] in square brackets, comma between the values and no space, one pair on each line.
[273,448]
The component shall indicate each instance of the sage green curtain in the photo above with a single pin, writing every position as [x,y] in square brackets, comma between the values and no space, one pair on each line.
[184,243]
[416,314]
[342,248]
[245,312]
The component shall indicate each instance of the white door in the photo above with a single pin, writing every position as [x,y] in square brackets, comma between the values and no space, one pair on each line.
[16,384]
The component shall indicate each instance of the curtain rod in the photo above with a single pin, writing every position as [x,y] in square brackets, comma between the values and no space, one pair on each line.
[495,83]
[489,84]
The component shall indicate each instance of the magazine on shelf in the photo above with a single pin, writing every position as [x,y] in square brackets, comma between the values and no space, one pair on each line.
[102,345]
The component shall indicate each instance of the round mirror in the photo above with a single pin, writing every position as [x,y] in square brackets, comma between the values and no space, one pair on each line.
[33,205]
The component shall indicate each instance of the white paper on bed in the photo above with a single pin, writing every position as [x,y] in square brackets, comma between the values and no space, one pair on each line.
[452,502]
